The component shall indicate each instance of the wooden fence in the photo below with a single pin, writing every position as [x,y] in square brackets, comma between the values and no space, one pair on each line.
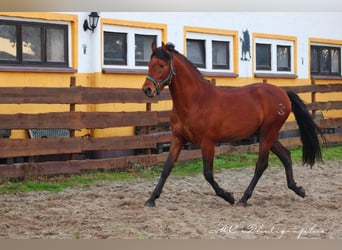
[76,120]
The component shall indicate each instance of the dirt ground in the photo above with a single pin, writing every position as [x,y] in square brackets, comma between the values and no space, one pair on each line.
[187,208]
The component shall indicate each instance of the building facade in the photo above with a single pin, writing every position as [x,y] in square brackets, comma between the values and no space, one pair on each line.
[234,48]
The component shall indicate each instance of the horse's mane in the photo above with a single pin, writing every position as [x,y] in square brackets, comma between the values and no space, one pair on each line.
[171,48]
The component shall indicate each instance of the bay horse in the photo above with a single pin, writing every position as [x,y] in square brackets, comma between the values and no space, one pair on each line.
[205,114]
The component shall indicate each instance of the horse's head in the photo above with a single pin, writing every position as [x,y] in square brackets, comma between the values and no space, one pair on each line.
[160,69]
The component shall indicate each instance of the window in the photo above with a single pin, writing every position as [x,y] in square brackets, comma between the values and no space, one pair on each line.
[128,47]
[274,56]
[33,44]
[115,48]
[209,51]
[325,60]
[220,55]
[143,49]
[263,56]
[196,52]
[283,58]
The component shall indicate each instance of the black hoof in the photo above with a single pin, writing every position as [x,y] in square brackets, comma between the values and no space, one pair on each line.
[150,203]
[229,197]
[298,190]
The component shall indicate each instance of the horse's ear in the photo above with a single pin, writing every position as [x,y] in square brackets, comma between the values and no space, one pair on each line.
[153,47]
[165,48]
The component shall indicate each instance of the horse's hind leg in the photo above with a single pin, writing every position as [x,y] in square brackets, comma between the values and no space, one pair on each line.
[176,146]
[261,166]
[266,138]
[285,157]
[208,159]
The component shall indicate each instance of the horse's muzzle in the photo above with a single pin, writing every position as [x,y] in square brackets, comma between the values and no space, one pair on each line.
[149,92]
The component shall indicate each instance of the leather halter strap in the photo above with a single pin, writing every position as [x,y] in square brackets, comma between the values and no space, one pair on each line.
[166,81]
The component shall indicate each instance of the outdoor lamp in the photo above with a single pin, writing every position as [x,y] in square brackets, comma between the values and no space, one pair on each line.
[93,20]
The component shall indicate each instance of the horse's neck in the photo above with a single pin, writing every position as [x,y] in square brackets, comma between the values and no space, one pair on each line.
[188,86]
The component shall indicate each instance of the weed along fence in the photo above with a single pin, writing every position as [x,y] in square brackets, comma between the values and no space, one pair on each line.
[62,125]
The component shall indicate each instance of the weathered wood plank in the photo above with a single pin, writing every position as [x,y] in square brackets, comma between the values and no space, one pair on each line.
[91,95]
[78,120]
[74,95]
[319,88]
[49,146]
[325,105]
[329,123]
[33,147]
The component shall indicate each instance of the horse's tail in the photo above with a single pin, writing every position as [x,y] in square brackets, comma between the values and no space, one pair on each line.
[308,131]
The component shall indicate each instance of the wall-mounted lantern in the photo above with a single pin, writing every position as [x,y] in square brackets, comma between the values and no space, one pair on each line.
[93,20]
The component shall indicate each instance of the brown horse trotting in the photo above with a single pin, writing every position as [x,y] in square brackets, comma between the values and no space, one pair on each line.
[204,115]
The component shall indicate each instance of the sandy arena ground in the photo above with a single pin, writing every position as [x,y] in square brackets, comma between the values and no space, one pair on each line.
[187,208]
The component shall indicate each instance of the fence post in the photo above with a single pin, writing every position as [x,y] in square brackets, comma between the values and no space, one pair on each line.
[313,99]
[72,109]
[148,151]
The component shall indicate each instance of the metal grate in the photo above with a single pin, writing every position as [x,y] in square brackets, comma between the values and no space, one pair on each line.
[5,133]
[48,133]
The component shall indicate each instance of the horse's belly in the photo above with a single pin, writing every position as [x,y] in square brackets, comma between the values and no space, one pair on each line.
[238,131]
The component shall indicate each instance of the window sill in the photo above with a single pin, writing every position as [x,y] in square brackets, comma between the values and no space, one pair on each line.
[37,69]
[322,77]
[124,71]
[219,74]
[275,75]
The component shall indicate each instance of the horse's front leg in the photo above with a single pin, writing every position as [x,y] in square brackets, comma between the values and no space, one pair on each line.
[175,148]
[208,159]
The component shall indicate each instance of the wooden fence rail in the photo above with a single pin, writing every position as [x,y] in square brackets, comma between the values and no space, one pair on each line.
[76,120]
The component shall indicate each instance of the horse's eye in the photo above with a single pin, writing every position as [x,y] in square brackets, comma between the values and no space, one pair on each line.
[161,65]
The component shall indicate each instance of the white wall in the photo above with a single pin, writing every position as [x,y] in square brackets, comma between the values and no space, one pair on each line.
[303,25]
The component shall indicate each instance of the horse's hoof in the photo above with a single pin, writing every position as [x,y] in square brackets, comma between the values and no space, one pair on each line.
[150,203]
[301,192]
[298,190]
[243,203]
[229,197]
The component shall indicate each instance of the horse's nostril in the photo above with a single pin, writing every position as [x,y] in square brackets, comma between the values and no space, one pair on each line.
[147,90]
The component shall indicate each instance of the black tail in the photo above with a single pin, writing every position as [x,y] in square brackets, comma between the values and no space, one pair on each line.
[308,131]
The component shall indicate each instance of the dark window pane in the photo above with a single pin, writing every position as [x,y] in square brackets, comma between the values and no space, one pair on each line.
[32,44]
[325,60]
[283,58]
[314,65]
[220,55]
[335,61]
[8,42]
[55,47]
[195,50]
[143,48]
[263,56]
[115,48]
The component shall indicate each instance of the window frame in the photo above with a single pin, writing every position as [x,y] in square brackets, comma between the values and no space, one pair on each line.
[130,53]
[326,46]
[267,66]
[208,39]
[202,45]
[228,53]
[43,26]
[275,41]
[282,68]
